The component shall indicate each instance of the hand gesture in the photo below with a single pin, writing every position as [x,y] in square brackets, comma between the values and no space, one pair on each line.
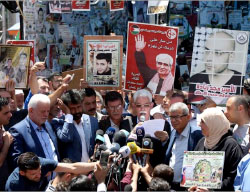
[83,84]
[139,43]
[10,85]
[63,107]
[38,66]
[7,138]
[100,173]
[162,135]
[198,189]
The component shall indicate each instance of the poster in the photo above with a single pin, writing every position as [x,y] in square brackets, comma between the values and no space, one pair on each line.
[181,7]
[157,7]
[212,14]
[75,83]
[140,12]
[234,19]
[14,64]
[116,5]
[80,5]
[103,61]
[218,64]
[203,169]
[24,42]
[248,67]
[151,53]
[60,6]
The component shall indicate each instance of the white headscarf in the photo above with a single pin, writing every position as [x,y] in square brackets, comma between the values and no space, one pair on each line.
[217,124]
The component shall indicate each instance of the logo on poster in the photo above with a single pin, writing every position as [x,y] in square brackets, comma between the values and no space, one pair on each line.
[135,29]
[171,34]
[241,38]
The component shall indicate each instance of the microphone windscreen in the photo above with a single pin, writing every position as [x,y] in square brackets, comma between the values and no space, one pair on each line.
[132,137]
[99,138]
[126,132]
[100,132]
[114,148]
[147,136]
[140,132]
[133,147]
[110,132]
[124,151]
[102,147]
[146,143]
[120,138]
[128,187]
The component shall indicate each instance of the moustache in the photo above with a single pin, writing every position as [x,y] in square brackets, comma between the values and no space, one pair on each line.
[92,110]
[77,116]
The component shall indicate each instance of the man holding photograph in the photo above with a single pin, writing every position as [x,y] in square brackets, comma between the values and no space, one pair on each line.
[160,80]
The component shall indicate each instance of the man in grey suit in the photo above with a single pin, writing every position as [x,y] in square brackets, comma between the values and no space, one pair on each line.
[76,131]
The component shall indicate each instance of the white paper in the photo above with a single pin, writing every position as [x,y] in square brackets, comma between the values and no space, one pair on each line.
[151,126]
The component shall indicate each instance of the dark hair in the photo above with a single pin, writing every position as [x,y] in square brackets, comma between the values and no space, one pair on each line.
[55,74]
[65,160]
[247,85]
[87,92]
[3,102]
[43,78]
[72,96]
[178,93]
[82,183]
[28,161]
[165,172]
[113,96]
[62,186]
[40,9]
[241,100]
[158,184]
[106,56]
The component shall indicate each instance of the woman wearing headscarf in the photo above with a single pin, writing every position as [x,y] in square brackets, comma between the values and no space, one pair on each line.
[217,137]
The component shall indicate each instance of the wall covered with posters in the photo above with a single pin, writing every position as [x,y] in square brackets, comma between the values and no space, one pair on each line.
[58,27]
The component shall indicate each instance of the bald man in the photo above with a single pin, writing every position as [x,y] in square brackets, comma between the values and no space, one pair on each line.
[159,81]
[218,53]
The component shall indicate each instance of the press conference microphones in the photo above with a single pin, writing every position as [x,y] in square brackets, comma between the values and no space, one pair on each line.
[126,132]
[123,153]
[146,144]
[114,148]
[110,132]
[99,139]
[140,132]
[142,116]
[120,138]
[133,150]
[99,149]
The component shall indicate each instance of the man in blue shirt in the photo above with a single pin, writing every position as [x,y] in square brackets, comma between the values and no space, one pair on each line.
[32,171]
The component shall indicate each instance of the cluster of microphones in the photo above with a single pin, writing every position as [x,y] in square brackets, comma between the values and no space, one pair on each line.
[121,144]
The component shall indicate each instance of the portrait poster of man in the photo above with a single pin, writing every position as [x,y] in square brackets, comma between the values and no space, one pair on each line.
[80,5]
[103,61]
[14,64]
[151,53]
[116,5]
[218,64]
[203,169]
[157,7]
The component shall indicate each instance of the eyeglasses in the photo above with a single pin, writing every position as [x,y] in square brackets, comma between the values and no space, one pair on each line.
[146,105]
[112,108]
[178,117]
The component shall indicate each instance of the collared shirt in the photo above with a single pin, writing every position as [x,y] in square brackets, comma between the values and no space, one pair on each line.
[241,181]
[45,140]
[116,127]
[180,145]
[240,133]
[79,128]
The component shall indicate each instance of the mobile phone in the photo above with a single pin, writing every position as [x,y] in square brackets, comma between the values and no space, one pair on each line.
[104,159]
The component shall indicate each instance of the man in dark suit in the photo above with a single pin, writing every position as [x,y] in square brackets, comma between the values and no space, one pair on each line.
[114,106]
[184,137]
[75,131]
[34,133]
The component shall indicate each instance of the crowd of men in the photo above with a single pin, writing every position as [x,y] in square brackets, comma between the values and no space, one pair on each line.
[56,139]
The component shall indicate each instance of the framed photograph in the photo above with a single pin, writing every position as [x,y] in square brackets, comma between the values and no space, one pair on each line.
[218,64]
[103,61]
[151,54]
[203,169]
[14,64]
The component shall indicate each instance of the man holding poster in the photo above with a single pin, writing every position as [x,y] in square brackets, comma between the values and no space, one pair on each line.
[159,81]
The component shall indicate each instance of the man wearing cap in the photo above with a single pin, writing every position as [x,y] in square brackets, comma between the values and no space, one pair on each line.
[159,81]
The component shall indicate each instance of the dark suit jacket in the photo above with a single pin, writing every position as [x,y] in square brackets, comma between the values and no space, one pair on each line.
[105,124]
[194,136]
[26,140]
[69,138]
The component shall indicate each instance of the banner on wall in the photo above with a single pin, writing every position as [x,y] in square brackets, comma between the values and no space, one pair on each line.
[218,64]
[81,5]
[157,7]
[151,53]
[60,6]
[103,61]
[116,5]
[14,64]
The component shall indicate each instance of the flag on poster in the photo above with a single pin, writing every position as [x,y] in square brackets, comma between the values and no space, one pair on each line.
[81,5]
[151,53]
[25,42]
[116,5]
[218,64]
[157,7]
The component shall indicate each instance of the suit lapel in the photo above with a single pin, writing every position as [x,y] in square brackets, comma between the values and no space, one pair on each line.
[87,130]
[170,146]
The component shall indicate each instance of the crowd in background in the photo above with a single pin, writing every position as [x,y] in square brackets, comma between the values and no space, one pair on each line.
[56,139]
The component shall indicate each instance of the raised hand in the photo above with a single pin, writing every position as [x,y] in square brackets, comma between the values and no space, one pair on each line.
[139,43]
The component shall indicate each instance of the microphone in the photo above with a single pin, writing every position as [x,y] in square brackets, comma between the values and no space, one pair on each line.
[146,144]
[100,148]
[114,148]
[140,132]
[133,150]
[99,139]
[123,153]
[110,132]
[107,140]
[132,137]
[126,132]
[142,116]
[120,138]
